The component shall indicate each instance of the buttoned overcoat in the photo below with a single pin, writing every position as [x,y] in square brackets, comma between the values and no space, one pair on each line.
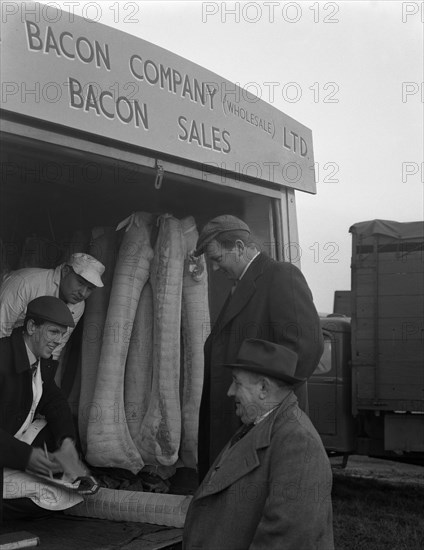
[269,491]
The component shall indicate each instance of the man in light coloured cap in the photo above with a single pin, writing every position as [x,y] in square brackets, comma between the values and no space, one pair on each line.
[34,411]
[269,300]
[72,282]
[270,487]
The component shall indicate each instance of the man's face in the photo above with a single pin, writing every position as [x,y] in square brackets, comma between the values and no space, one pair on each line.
[44,339]
[73,287]
[246,391]
[231,262]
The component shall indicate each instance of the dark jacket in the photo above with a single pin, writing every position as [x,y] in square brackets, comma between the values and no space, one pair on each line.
[272,490]
[271,302]
[16,401]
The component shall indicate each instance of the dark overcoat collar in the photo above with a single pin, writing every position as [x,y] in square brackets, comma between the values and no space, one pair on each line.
[243,292]
[21,361]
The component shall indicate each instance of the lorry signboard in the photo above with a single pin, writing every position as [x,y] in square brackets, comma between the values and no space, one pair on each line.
[63,69]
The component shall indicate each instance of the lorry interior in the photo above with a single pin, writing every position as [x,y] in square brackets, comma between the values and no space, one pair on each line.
[56,189]
[52,196]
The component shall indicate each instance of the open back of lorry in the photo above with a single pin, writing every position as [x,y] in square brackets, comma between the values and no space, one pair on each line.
[388,335]
[97,124]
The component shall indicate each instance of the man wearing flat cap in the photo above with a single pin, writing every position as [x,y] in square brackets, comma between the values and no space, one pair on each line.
[269,300]
[72,282]
[33,409]
[270,487]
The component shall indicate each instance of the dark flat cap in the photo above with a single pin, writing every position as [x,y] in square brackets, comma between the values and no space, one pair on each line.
[50,309]
[215,227]
[263,357]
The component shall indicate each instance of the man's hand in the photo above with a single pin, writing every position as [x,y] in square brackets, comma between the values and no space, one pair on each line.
[68,460]
[41,464]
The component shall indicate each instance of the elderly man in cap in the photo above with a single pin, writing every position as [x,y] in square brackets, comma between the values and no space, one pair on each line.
[72,282]
[28,390]
[271,485]
[269,300]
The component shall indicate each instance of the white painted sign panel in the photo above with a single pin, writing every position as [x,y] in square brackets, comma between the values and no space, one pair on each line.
[61,68]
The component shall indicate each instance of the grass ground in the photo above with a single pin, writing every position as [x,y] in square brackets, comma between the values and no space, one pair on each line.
[371,515]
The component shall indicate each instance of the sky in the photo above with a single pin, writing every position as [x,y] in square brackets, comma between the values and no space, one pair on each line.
[351,71]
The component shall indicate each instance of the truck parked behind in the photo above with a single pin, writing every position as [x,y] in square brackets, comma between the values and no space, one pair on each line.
[367,394]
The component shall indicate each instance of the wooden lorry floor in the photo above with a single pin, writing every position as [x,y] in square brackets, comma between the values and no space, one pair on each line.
[62,532]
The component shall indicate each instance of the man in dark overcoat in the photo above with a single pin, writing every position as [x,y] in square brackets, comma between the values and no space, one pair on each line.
[270,487]
[270,300]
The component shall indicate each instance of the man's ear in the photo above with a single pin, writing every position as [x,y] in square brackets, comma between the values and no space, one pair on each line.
[30,327]
[65,270]
[240,246]
[264,387]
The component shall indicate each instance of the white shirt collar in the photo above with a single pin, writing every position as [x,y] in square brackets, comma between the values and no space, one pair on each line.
[31,357]
[263,416]
[247,267]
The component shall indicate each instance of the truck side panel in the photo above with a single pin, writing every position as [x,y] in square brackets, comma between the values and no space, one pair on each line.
[387,319]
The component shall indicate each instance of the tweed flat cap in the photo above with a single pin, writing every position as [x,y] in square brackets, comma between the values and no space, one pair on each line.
[50,309]
[215,227]
[263,357]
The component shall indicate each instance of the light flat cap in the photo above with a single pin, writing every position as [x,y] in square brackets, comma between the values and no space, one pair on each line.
[87,267]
